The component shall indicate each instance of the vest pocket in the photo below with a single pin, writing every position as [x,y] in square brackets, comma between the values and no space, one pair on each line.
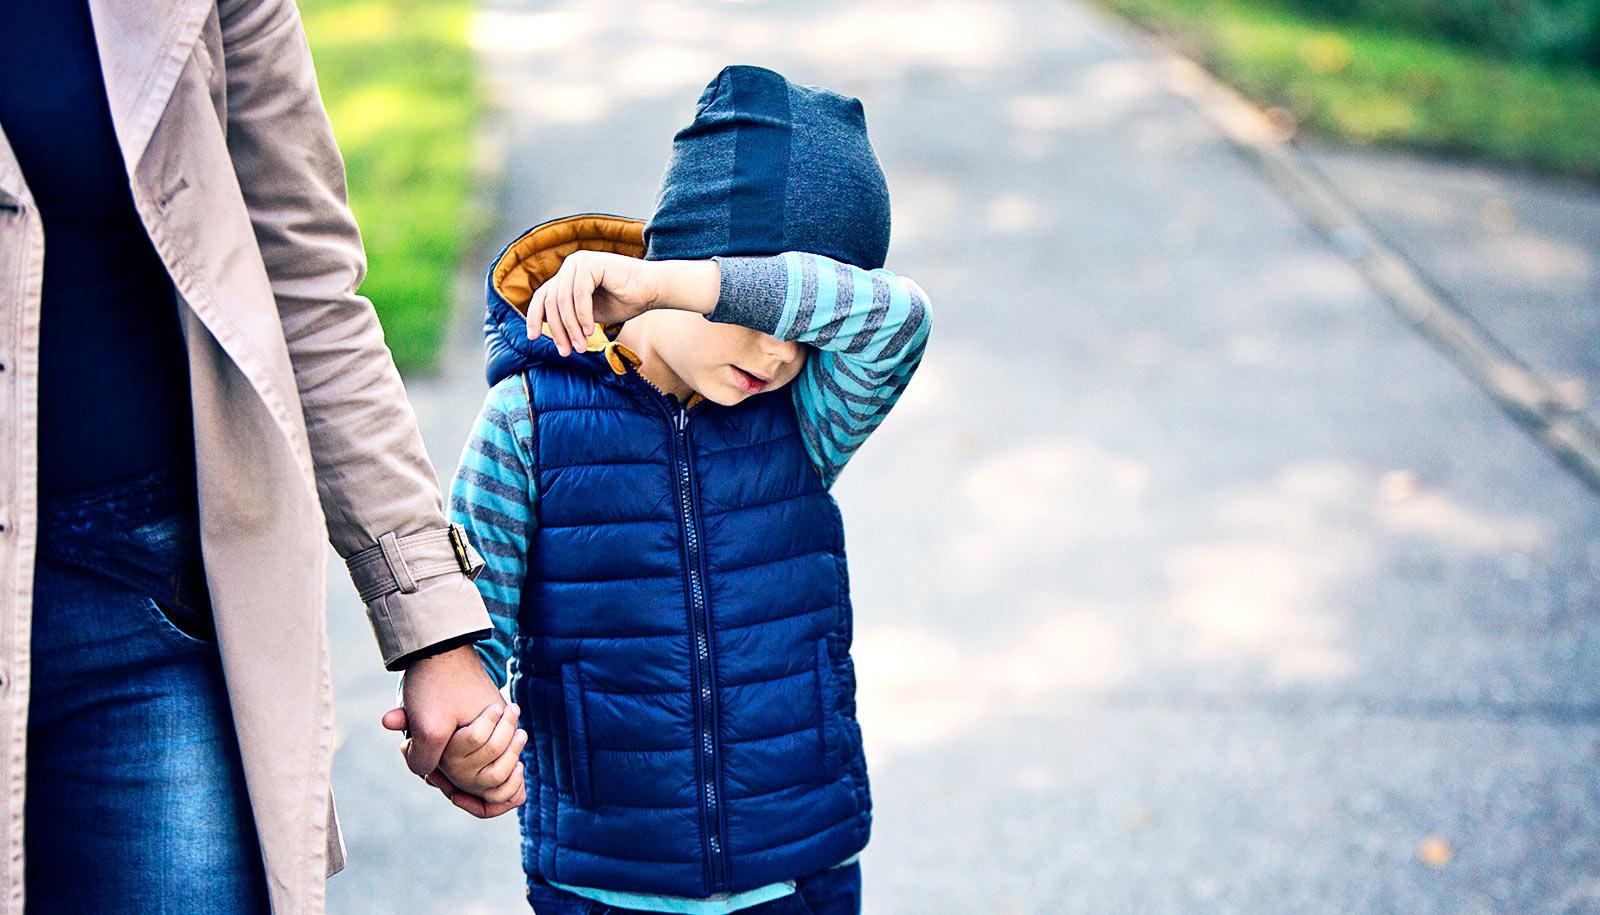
[841,734]
[577,736]
[827,739]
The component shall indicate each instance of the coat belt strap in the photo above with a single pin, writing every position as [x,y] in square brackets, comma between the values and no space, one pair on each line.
[403,563]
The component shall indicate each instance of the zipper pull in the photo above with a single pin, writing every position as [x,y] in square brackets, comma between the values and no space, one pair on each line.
[683,417]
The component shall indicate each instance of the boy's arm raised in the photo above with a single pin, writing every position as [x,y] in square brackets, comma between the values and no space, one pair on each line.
[870,328]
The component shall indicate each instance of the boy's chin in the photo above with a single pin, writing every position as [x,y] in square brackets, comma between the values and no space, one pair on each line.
[717,388]
[725,395]
[729,395]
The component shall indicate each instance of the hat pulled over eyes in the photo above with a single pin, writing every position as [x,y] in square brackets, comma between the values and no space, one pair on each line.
[768,166]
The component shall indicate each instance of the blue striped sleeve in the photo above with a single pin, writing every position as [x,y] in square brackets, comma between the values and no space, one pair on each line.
[492,496]
[869,329]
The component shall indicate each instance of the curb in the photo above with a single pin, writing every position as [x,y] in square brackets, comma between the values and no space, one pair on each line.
[1540,406]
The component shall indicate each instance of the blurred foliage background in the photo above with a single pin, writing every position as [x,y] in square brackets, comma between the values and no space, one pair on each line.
[1511,81]
[399,81]
[1544,31]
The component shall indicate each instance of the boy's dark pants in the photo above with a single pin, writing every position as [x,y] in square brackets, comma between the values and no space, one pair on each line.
[836,891]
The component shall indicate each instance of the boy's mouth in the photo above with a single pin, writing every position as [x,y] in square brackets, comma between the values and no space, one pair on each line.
[749,382]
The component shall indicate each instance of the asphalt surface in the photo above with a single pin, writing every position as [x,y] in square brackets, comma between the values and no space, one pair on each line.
[1521,254]
[1187,578]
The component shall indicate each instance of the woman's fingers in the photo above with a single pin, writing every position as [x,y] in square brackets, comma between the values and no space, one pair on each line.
[471,803]
[511,794]
[507,794]
[480,808]
[439,780]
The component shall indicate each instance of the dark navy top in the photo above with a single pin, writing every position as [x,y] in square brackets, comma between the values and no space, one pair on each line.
[113,374]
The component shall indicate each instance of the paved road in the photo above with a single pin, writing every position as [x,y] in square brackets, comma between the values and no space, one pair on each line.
[1521,254]
[1187,578]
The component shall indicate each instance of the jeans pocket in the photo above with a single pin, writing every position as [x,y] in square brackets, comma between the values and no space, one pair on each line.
[184,605]
[181,623]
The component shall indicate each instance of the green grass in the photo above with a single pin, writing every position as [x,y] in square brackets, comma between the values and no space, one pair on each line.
[1367,84]
[399,82]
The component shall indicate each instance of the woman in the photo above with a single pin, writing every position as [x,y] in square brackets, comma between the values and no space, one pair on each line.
[193,400]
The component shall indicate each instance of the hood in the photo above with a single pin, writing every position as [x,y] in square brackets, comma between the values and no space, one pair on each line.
[524,264]
[766,166]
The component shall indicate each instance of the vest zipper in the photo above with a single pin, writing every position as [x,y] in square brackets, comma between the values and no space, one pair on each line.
[705,692]
[706,695]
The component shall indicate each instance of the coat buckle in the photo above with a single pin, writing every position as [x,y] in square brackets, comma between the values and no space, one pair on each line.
[463,550]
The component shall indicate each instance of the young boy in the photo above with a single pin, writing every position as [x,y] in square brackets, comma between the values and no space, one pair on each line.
[648,482]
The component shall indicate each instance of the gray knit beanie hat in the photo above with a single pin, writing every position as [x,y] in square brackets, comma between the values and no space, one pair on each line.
[767,166]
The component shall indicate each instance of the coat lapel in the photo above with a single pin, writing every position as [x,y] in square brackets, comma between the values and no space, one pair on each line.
[179,172]
[143,47]
[11,187]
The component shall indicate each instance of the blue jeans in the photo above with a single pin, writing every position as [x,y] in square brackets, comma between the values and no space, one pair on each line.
[136,797]
[836,891]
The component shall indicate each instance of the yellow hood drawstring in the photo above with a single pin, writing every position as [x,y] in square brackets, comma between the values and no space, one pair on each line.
[615,352]
[619,356]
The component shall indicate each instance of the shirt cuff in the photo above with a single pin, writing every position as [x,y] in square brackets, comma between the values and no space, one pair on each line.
[752,291]
[450,644]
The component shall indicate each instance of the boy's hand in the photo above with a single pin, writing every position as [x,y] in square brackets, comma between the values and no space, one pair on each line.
[482,758]
[598,287]
[396,720]
[440,694]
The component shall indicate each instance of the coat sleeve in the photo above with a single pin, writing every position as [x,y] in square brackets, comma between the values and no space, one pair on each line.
[379,491]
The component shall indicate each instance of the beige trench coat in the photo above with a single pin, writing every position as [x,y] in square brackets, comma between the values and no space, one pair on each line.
[302,430]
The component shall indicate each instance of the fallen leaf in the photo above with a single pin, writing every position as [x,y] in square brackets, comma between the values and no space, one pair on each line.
[1435,852]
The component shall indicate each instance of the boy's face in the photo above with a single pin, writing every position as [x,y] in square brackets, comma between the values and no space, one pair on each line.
[725,363]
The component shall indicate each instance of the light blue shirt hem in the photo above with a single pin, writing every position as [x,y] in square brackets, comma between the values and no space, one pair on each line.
[685,905]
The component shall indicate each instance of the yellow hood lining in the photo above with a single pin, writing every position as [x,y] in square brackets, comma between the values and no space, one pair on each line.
[538,254]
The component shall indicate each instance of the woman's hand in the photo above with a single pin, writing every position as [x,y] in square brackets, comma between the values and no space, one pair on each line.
[441,694]
[597,287]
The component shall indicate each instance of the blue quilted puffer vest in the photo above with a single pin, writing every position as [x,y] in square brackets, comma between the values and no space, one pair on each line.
[683,655]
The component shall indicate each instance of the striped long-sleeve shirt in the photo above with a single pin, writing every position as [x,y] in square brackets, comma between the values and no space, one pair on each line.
[868,329]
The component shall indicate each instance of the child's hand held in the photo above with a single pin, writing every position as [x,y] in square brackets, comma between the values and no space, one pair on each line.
[483,758]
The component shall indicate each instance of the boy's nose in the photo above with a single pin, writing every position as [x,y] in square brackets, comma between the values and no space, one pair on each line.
[784,351]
